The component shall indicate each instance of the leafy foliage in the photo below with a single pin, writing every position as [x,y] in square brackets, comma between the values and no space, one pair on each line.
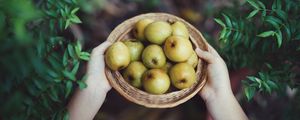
[38,66]
[267,39]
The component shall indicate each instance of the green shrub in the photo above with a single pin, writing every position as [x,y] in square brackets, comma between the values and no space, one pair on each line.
[38,66]
[263,36]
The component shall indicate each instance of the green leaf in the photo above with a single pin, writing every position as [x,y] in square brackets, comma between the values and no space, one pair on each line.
[75,19]
[249,92]
[251,78]
[65,58]
[222,34]
[85,53]
[63,13]
[84,56]
[266,34]
[53,95]
[220,22]
[52,73]
[281,14]
[272,84]
[51,13]
[252,3]
[57,80]
[276,5]
[261,75]
[75,68]
[288,32]
[254,12]
[67,9]
[237,36]
[69,86]
[259,81]
[54,62]
[275,22]
[297,37]
[66,116]
[81,85]
[264,10]
[74,10]
[78,48]
[61,23]
[71,51]
[69,75]
[268,65]
[38,84]
[74,1]
[227,20]
[267,88]
[279,38]
[68,22]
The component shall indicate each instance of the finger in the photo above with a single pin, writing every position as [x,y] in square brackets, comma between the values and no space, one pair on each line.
[102,47]
[212,50]
[208,57]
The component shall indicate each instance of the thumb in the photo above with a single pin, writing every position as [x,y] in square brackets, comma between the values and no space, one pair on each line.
[102,47]
[206,56]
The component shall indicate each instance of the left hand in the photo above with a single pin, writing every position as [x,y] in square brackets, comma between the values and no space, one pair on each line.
[96,67]
[85,103]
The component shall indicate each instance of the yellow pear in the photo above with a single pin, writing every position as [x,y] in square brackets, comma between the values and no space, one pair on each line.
[193,60]
[140,27]
[117,56]
[135,49]
[167,67]
[178,49]
[179,29]
[156,81]
[153,56]
[133,73]
[182,75]
[157,32]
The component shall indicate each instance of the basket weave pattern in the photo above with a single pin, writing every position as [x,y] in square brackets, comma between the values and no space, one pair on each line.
[170,99]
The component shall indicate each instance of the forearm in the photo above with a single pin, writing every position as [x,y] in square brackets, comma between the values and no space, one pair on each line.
[224,106]
[85,103]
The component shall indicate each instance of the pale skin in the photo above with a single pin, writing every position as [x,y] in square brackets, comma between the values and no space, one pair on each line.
[217,92]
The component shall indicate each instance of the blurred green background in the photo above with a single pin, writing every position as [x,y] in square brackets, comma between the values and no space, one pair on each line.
[45,45]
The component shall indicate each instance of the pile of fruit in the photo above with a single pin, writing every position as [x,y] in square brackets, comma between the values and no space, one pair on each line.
[161,55]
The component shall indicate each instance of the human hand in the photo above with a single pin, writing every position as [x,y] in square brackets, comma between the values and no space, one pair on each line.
[217,92]
[218,82]
[96,67]
[85,103]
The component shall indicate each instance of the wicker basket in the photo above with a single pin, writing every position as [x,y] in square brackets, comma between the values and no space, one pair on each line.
[171,99]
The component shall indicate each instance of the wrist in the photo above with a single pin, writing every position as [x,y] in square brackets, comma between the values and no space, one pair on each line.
[97,84]
[210,94]
[219,96]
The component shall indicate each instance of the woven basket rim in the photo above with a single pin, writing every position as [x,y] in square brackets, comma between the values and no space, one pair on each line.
[117,82]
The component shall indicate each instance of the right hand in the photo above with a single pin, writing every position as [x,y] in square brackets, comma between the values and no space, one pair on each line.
[218,82]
